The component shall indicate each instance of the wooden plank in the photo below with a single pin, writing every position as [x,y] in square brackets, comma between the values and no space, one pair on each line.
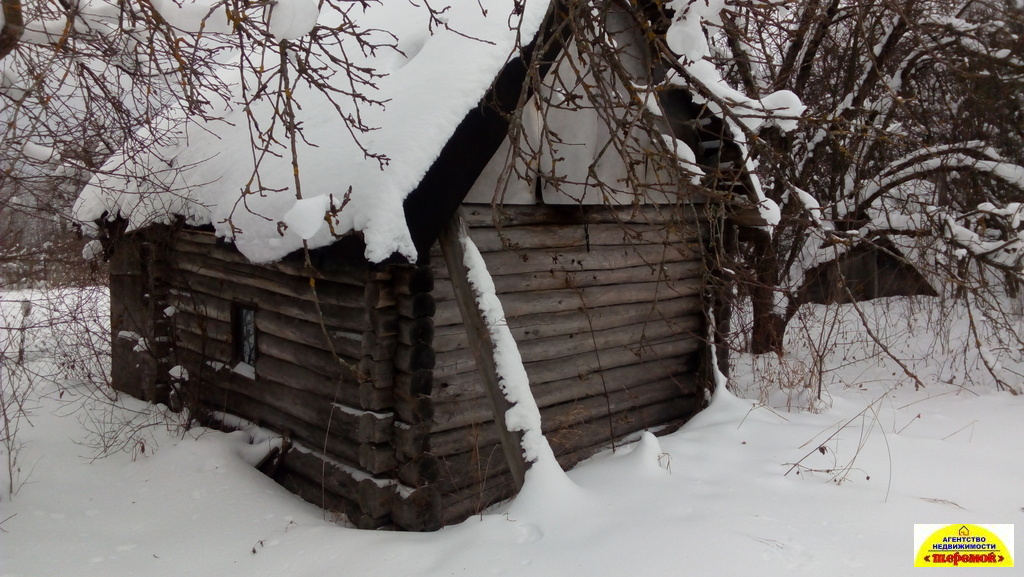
[205,326]
[268,280]
[317,360]
[449,365]
[580,259]
[299,378]
[420,511]
[560,420]
[567,300]
[458,409]
[531,327]
[547,237]
[344,343]
[218,398]
[207,244]
[200,304]
[523,215]
[203,288]
[557,278]
[211,349]
[482,346]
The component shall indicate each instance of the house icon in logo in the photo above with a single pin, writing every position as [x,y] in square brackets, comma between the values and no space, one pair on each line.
[964,531]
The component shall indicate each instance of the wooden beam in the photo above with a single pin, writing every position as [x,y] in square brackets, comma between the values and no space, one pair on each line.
[480,340]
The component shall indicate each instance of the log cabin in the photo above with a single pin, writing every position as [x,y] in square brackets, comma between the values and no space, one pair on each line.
[366,365]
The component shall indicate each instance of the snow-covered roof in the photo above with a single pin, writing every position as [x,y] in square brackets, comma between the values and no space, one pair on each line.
[201,168]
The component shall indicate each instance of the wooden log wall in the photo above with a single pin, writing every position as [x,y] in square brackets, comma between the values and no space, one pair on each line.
[606,306]
[325,371]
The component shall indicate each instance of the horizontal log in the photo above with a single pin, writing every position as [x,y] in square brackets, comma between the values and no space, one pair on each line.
[562,346]
[410,359]
[560,420]
[413,411]
[204,290]
[204,326]
[410,440]
[412,279]
[414,385]
[458,506]
[323,472]
[297,377]
[210,349]
[420,511]
[344,343]
[201,305]
[415,306]
[377,458]
[264,279]
[525,328]
[568,300]
[379,374]
[218,398]
[317,360]
[580,259]
[532,237]
[522,215]
[465,473]
[354,273]
[416,331]
[557,278]
[375,498]
[579,364]
[470,406]
[423,470]
[313,492]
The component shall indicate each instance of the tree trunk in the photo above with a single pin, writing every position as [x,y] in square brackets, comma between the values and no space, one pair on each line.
[769,323]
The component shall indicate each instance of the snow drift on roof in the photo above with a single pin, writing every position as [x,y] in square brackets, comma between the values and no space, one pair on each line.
[200,169]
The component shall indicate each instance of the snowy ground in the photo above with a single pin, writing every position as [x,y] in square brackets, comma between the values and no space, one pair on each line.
[719,497]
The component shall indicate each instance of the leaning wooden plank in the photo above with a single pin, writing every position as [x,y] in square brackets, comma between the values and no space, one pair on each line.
[451,240]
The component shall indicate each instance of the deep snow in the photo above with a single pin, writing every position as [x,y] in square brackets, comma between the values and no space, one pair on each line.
[711,499]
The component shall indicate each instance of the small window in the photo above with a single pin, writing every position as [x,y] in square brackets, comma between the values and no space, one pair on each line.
[244,334]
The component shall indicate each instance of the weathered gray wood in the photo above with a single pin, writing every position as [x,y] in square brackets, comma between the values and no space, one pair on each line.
[410,440]
[560,420]
[200,242]
[202,325]
[415,306]
[531,327]
[268,280]
[514,215]
[212,349]
[316,360]
[420,511]
[414,385]
[561,346]
[414,410]
[216,397]
[470,406]
[291,376]
[412,279]
[324,473]
[202,288]
[416,331]
[410,359]
[557,278]
[556,301]
[580,364]
[458,506]
[375,498]
[482,346]
[314,492]
[548,237]
[423,470]
[343,343]
[377,458]
[580,259]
